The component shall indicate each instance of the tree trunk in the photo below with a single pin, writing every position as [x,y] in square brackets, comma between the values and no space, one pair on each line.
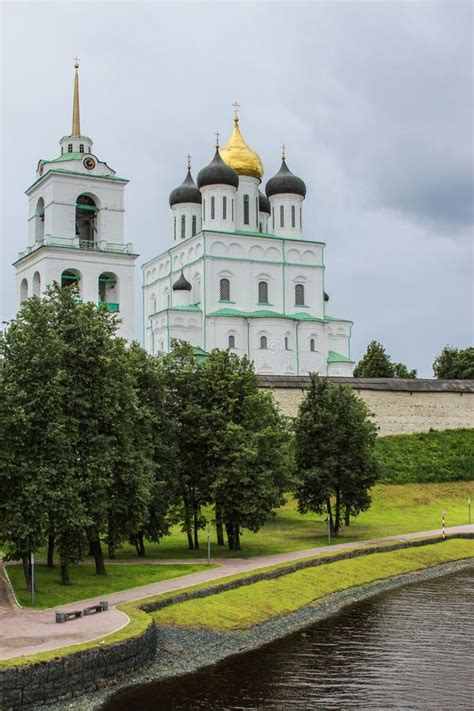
[141,545]
[64,573]
[188,527]
[337,524]
[26,561]
[347,517]
[50,551]
[331,522]
[98,556]
[111,551]
[237,539]
[196,530]
[219,526]
[230,535]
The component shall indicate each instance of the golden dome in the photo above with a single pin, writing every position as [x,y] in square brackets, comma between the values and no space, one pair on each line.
[239,156]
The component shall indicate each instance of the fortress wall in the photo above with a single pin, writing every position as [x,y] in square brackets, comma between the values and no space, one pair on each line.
[419,406]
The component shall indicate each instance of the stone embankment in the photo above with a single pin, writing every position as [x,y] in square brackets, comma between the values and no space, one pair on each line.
[153,656]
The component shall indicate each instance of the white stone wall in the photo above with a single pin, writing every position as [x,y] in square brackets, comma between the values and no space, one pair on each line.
[288,203]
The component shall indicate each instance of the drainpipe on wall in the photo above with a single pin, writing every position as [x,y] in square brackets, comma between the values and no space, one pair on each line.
[297,350]
[204,318]
[248,337]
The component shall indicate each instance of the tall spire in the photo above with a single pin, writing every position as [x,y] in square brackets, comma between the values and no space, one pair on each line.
[76,120]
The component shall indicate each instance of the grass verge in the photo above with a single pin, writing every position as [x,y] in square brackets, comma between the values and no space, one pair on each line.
[268,599]
[86,584]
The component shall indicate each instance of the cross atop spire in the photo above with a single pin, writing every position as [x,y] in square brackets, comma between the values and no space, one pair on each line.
[76,119]
[189,161]
[236,107]
[217,135]
[283,154]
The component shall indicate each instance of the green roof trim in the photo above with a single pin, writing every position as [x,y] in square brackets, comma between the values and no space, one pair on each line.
[262,234]
[191,307]
[67,156]
[76,172]
[335,318]
[200,354]
[235,313]
[334,357]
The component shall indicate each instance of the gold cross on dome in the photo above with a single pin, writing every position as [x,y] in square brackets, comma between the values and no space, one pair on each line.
[189,161]
[217,134]
[236,107]
[76,62]
[283,154]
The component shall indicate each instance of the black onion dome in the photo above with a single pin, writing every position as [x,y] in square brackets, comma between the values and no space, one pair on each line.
[326,296]
[186,192]
[182,284]
[263,203]
[217,173]
[285,182]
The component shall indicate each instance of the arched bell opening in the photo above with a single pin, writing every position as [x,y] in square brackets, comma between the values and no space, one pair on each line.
[39,221]
[86,221]
[72,277]
[108,287]
[36,284]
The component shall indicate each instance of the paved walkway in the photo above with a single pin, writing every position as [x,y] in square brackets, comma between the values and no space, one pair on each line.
[26,631]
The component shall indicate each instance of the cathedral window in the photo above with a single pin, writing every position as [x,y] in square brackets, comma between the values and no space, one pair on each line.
[62,150]
[224,208]
[311,345]
[204,210]
[299,295]
[193,228]
[293,216]
[260,227]
[231,341]
[262,292]
[81,148]
[246,210]
[273,217]
[224,290]
[213,208]
[263,343]
[174,226]
[183,226]
[282,216]
[301,218]
[23,290]
[232,217]
[69,148]
[256,213]
[287,347]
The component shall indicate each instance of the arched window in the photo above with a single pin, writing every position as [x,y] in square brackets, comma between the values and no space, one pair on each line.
[231,341]
[232,217]
[108,291]
[262,292]
[293,216]
[86,221]
[299,295]
[39,220]
[224,208]
[193,228]
[273,217]
[287,347]
[174,226]
[263,343]
[204,210]
[311,345]
[69,148]
[224,292]
[62,150]
[282,216]
[260,227]
[71,277]
[183,226]
[246,210]
[213,208]
[256,212]
[301,218]
[23,290]
[81,148]
[153,304]
[36,284]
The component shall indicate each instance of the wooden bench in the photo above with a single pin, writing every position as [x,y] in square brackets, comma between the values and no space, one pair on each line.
[66,616]
[94,609]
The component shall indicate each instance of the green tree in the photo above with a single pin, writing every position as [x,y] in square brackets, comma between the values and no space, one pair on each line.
[454,363]
[334,451]
[248,446]
[376,363]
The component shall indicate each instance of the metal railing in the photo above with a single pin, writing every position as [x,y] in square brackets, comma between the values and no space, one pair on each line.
[75,243]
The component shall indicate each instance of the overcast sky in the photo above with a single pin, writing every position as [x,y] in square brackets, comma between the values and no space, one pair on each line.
[373,100]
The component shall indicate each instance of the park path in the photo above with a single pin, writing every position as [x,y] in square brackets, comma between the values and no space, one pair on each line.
[25,631]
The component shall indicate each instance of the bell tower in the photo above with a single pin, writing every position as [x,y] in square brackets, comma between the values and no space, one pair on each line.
[76,228]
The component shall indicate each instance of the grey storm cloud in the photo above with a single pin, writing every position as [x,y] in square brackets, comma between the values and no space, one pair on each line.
[373,100]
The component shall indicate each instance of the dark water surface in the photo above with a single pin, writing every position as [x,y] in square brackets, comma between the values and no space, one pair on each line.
[410,648]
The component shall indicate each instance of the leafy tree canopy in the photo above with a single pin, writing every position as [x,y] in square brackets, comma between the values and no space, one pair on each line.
[454,364]
[376,363]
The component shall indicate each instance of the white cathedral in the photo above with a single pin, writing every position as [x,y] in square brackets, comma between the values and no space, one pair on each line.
[240,274]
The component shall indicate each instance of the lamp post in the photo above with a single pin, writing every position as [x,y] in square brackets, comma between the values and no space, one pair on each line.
[208,544]
[444,524]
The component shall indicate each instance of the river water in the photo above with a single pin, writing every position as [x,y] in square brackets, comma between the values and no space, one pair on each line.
[409,648]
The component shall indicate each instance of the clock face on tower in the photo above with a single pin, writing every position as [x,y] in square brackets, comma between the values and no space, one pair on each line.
[89,163]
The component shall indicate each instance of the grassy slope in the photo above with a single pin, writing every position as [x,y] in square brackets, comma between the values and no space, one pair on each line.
[395,509]
[86,584]
[262,601]
[427,457]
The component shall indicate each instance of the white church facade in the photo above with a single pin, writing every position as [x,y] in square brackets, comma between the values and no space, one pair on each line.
[76,229]
[241,274]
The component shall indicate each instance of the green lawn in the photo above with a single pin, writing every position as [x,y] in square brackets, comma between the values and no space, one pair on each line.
[268,599]
[401,508]
[86,584]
